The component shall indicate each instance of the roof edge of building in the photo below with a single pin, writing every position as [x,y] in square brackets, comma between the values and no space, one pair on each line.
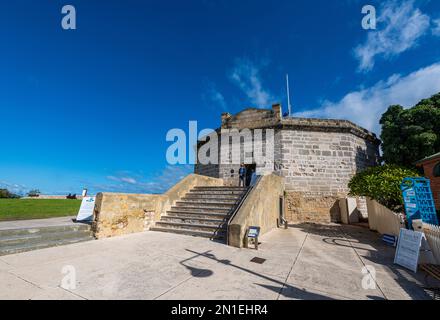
[429,158]
[273,119]
[334,125]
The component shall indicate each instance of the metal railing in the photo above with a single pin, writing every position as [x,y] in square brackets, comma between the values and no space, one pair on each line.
[239,205]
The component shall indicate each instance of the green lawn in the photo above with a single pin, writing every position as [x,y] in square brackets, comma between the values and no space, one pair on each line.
[17,209]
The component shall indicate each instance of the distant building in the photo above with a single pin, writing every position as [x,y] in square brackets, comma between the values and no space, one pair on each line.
[431,168]
[317,157]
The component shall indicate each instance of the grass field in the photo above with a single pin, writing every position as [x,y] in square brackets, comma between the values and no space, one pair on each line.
[17,209]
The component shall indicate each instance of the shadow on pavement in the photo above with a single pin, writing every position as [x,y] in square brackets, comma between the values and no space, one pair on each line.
[369,246]
[281,288]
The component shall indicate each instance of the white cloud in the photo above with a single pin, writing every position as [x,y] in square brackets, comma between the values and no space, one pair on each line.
[169,177]
[128,180]
[246,75]
[365,107]
[123,179]
[138,184]
[400,26]
[214,96]
[436,28]
[14,187]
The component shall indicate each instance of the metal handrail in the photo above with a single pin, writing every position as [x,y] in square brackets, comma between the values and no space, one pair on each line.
[240,203]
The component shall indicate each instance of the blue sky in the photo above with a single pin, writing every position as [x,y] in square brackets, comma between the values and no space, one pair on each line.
[91,107]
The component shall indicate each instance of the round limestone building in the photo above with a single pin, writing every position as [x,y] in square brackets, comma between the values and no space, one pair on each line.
[317,158]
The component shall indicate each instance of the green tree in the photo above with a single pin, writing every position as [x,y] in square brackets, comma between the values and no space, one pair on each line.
[411,134]
[5,193]
[381,183]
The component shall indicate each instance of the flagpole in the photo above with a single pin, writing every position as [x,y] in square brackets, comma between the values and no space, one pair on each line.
[288,95]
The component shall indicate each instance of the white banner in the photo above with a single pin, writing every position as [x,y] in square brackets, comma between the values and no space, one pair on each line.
[86,210]
[408,249]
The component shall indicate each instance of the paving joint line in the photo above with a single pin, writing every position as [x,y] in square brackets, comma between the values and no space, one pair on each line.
[23,279]
[5,262]
[177,285]
[75,294]
[363,263]
[294,262]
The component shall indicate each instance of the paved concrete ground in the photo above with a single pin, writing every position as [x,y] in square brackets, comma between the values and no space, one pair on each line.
[37,223]
[303,262]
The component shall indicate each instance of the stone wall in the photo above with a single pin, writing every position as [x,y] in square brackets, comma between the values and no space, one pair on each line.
[117,213]
[261,208]
[228,170]
[317,167]
[305,207]
[252,118]
[209,170]
[259,119]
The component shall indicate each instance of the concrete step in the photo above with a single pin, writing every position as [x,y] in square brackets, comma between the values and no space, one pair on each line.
[41,230]
[26,239]
[193,220]
[204,211]
[218,235]
[42,237]
[207,215]
[191,226]
[200,209]
[242,189]
[209,201]
[29,246]
[205,205]
[216,192]
[212,196]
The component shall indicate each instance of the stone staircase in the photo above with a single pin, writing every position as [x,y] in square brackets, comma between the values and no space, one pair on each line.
[203,212]
[26,239]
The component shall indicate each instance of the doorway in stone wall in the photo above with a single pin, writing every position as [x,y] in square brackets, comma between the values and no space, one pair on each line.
[250,168]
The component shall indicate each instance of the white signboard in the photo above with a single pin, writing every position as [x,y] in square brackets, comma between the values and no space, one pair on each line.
[86,210]
[408,249]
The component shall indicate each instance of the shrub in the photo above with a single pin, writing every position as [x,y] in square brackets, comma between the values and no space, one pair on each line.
[382,184]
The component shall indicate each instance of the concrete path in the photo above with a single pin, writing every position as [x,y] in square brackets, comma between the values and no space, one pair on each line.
[36,223]
[304,262]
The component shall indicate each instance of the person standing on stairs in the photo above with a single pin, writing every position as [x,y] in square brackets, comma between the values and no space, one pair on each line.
[242,176]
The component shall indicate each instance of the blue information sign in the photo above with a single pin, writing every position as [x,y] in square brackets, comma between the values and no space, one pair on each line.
[418,200]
